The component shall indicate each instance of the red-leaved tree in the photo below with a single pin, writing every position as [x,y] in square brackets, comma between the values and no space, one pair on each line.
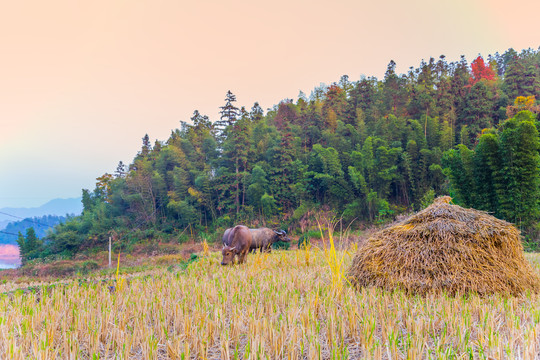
[480,71]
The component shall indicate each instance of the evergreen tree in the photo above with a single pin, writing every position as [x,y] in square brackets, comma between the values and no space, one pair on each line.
[393,90]
[146,147]
[29,245]
[229,112]
[257,112]
[120,170]
[21,241]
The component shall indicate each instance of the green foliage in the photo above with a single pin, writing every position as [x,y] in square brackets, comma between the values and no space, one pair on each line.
[258,187]
[89,266]
[303,241]
[183,212]
[281,245]
[427,199]
[185,263]
[301,210]
[501,174]
[268,204]
[364,149]
[519,145]
[29,246]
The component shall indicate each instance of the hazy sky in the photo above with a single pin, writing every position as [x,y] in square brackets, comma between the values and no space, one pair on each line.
[81,82]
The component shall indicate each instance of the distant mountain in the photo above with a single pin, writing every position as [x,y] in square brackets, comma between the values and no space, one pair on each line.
[41,225]
[59,207]
[3,224]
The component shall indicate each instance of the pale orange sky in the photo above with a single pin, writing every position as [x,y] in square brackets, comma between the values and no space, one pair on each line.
[82,82]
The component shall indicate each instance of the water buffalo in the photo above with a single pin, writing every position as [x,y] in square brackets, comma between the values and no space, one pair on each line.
[226,236]
[262,238]
[238,243]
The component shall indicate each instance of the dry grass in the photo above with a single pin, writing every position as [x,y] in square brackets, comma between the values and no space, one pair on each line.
[446,248]
[283,305]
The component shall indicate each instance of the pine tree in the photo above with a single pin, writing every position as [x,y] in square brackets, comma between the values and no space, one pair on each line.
[257,112]
[21,241]
[146,147]
[29,245]
[120,170]
[393,89]
[229,112]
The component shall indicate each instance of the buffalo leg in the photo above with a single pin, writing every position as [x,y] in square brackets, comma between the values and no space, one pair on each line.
[242,257]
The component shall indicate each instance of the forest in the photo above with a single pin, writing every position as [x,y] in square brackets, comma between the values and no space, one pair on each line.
[366,150]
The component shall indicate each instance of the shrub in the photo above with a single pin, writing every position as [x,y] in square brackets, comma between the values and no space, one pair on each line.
[88,266]
[282,245]
[313,234]
[303,241]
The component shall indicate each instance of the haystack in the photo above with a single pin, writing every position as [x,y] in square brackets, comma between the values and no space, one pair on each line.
[446,248]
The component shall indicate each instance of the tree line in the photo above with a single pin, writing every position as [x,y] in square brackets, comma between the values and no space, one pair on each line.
[367,149]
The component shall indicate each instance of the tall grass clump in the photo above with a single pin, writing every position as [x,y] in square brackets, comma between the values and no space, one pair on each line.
[334,258]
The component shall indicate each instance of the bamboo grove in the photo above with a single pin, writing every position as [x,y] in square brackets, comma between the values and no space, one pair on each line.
[366,149]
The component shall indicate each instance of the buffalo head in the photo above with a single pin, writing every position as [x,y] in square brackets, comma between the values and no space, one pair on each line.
[282,236]
[228,255]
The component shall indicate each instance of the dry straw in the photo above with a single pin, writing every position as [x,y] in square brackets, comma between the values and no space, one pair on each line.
[446,248]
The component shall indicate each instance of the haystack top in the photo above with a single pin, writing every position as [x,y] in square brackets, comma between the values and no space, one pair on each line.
[442,217]
[443,199]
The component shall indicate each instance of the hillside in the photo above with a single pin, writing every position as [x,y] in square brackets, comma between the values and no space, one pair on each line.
[364,151]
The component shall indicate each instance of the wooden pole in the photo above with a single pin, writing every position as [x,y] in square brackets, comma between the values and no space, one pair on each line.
[110,248]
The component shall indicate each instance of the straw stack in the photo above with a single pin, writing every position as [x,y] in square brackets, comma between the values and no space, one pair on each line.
[446,248]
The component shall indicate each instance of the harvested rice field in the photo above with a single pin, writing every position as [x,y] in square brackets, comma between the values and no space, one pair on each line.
[284,305]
